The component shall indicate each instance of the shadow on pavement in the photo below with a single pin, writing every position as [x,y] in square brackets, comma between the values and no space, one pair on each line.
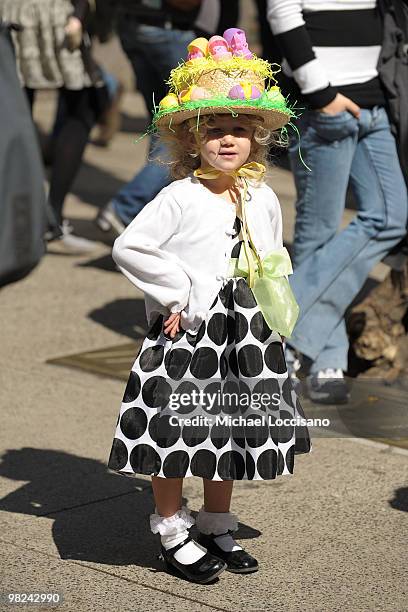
[125,316]
[400,499]
[95,186]
[88,229]
[133,125]
[121,316]
[105,263]
[99,517]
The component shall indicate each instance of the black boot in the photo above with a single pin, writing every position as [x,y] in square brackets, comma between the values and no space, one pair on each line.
[238,561]
[202,571]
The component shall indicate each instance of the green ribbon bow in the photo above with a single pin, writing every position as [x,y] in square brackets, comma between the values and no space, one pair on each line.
[270,287]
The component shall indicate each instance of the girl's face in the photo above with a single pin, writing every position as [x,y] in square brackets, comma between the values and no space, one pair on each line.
[227,143]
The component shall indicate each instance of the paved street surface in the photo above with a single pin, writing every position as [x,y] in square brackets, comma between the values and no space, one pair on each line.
[330,538]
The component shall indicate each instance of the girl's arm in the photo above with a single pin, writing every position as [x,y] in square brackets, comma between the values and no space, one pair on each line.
[139,254]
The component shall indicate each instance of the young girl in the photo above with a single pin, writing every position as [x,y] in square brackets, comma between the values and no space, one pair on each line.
[209,393]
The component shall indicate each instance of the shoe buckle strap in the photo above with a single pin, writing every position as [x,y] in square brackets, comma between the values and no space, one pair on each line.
[173,550]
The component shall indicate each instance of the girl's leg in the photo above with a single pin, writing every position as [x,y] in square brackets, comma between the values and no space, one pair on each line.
[214,517]
[216,524]
[217,495]
[172,521]
[167,495]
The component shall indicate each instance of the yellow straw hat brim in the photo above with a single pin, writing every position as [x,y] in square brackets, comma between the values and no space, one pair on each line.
[272,119]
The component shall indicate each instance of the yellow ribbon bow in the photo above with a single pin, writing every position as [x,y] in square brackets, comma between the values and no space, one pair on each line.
[251,170]
[267,277]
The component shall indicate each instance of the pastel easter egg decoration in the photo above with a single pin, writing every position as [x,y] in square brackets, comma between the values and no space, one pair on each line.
[251,92]
[244,91]
[218,48]
[237,43]
[184,95]
[274,95]
[193,93]
[199,93]
[169,101]
[236,93]
[197,49]
[256,93]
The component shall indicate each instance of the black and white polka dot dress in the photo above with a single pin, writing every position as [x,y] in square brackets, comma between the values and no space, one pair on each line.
[233,357]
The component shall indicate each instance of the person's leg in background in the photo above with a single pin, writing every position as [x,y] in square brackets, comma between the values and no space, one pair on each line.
[334,274]
[153,52]
[110,120]
[70,143]
[30,97]
[327,145]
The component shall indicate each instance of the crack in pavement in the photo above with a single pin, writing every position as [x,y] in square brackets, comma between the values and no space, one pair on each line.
[93,501]
[167,592]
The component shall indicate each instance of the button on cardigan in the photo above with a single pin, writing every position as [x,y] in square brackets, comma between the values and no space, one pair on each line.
[178,247]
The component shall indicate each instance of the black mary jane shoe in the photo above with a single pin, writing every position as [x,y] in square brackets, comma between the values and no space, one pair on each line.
[202,571]
[238,561]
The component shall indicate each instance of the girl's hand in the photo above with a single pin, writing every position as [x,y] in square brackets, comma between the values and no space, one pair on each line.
[172,324]
[73,31]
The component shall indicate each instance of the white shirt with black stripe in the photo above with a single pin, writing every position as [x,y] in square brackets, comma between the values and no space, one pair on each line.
[330,46]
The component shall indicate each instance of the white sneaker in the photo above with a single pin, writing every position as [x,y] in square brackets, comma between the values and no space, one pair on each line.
[330,373]
[328,386]
[70,244]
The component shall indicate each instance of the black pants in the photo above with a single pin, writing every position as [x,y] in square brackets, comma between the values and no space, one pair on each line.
[69,146]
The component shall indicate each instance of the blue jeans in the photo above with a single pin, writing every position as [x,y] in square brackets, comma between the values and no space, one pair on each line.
[111,82]
[330,267]
[153,52]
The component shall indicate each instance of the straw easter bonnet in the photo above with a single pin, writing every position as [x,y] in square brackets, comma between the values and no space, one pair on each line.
[221,75]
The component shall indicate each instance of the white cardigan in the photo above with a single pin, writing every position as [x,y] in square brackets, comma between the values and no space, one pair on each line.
[178,247]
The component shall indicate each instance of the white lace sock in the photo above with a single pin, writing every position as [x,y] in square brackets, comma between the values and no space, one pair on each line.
[218,524]
[173,530]
[227,543]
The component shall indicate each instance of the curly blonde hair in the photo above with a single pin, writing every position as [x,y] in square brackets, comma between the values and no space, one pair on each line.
[183,144]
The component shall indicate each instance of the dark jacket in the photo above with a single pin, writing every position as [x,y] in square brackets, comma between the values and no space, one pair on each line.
[22,197]
[393,71]
[160,13]
[228,18]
